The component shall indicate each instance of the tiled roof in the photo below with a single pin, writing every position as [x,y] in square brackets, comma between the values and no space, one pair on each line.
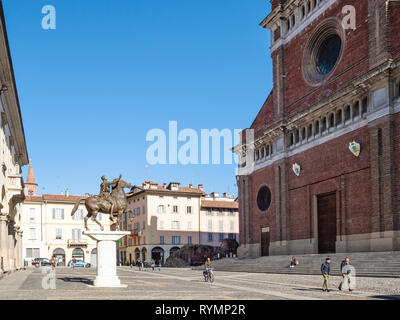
[33,198]
[180,189]
[219,204]
[54,197]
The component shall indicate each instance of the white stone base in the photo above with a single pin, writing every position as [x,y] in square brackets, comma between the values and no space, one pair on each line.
[106,257]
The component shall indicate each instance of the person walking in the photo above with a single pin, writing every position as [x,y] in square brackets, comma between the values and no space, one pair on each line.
[326,270]
[159,265]
[345,269]
[153,264]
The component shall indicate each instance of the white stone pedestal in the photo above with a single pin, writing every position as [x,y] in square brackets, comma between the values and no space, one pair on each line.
[107,257]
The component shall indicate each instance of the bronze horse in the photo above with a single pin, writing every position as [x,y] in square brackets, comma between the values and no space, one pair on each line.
[96,204]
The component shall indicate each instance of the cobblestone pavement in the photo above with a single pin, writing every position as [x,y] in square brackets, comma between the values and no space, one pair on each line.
[175,284]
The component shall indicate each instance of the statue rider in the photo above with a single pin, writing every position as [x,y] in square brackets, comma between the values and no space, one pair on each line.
[105,191]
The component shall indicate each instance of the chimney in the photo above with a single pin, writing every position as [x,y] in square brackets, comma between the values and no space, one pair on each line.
[67,193]
[201,187]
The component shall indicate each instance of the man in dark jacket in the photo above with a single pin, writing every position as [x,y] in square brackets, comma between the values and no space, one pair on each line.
[326,271]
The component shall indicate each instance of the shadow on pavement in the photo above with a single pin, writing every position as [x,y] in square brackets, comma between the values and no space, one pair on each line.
[308,289]
[76,279]
[387,297]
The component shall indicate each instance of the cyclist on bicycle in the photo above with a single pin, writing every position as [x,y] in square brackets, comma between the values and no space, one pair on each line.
[208,266]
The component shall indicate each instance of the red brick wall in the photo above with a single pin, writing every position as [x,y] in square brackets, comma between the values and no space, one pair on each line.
[299,207]
[298,94]
[330,159]
[265,176]
[396,164]
[325,168]
[265,115]
[322,169]
[394,28]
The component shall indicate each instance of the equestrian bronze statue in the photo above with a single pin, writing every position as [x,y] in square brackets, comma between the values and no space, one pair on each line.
[111,200]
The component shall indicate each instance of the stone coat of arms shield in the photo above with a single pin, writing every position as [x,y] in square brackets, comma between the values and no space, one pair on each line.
[296,169]
[355,148]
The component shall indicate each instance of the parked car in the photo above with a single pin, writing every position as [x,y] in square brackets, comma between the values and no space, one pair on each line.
[79,263]
[37,262]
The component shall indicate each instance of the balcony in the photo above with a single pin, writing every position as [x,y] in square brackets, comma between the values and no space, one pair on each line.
[15,186]
[73,243]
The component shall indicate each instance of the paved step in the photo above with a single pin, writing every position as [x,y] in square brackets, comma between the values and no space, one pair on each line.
[367,264]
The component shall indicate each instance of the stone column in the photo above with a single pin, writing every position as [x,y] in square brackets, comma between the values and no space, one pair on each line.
[18,249]
[106,259]
[3,243]
[11,245]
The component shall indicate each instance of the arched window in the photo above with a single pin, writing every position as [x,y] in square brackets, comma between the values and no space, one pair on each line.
[331,120]
[310,131]
[173,249]
[78,253]
[297,136]
[356,109]
[303,134]
[339,117]
[364,105]
[316,127]
[347,113]
[323,125]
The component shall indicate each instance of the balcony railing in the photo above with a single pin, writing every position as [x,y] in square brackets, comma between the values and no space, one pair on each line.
[77,243]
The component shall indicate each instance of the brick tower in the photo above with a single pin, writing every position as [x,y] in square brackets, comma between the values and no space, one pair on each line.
[325,174]
[30,185]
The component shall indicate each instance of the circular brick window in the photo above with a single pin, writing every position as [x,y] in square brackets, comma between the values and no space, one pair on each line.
[264,198]
[323,52]
[328,54]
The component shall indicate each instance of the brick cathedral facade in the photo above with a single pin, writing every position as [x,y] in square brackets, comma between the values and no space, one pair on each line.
[324,170]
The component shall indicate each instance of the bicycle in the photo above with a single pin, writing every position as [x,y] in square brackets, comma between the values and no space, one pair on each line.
[209,276]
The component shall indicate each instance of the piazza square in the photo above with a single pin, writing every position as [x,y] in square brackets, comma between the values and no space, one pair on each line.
[124,176]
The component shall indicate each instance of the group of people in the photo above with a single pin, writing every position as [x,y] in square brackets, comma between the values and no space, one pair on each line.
[346,270]
[293,262]
[153,265]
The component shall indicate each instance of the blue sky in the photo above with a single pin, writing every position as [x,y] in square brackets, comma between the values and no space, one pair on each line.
[113,70]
